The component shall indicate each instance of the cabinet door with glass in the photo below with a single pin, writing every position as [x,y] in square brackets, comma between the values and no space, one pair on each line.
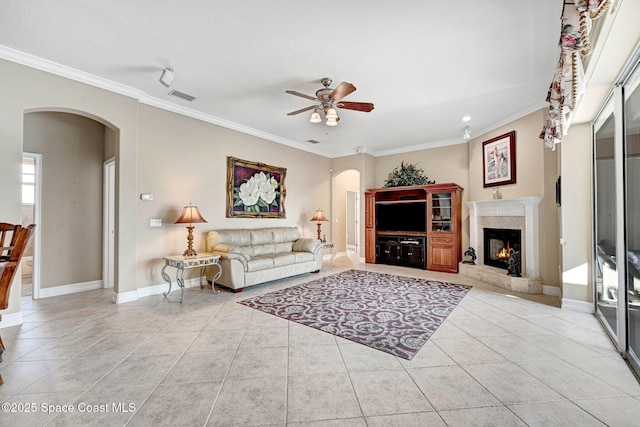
[440,215]
[443,227]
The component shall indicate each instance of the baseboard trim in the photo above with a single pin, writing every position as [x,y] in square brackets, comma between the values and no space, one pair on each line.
[551,290]
[575,305]
[11,319]
[122,297]
[70,289]
[147,291]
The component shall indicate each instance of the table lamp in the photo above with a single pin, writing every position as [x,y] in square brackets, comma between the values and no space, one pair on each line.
[319,217]
[190,215]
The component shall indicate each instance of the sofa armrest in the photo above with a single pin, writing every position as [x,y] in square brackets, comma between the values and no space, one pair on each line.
[307,245]
[232,252]
[233,256]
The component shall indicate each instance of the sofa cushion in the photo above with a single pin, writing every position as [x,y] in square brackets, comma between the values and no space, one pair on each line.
[285,234]
[283,247]
[229,237]
[269,248]
[257,250]
[283,259]
[260,263]
[303,256]
[306,245]
[231,250]
[261,236]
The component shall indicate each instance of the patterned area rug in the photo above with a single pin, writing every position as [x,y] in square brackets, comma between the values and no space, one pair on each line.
[390,313]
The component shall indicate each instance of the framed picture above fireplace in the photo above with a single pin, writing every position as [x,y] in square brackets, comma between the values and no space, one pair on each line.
[499,160]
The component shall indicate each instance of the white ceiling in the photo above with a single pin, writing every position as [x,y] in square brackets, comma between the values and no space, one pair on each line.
[424,64]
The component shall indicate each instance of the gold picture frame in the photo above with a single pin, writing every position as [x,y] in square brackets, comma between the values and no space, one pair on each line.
[255,190]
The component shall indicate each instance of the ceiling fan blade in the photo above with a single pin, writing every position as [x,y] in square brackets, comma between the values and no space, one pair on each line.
[293,92]
[341,91]
[356,106]
[293,113]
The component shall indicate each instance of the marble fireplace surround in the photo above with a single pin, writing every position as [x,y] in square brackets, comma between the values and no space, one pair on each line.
[519,214]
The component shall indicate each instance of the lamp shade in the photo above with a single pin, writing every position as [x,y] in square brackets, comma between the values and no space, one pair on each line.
[190,215]
[319,216]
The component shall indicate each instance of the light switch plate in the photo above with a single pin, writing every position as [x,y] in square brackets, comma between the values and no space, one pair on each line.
[155,222]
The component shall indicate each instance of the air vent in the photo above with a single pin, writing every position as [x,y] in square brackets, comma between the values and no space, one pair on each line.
[313,141]
[182,95]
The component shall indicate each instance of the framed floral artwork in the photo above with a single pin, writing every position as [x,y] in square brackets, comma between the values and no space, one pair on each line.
[255,190]
[499,160]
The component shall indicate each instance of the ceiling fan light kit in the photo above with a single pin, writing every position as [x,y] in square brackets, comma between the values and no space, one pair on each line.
[315,117]
[328,99]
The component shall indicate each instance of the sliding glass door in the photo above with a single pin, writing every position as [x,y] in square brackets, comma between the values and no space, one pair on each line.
[632,210]
[606,273]
[616,190]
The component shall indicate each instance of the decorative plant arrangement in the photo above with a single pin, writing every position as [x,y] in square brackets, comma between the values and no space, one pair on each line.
[405,175]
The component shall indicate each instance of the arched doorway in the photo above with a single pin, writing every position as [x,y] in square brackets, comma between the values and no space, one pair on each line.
[345,216]
[72,149]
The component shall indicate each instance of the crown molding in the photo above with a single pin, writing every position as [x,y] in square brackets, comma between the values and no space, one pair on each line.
[48,66]
[208,118]
[64,71]
[80,76]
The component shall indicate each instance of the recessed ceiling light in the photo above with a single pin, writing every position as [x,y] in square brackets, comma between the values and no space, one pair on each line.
[466,118]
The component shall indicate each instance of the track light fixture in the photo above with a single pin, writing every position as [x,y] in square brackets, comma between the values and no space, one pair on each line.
[167,77]
[467,133]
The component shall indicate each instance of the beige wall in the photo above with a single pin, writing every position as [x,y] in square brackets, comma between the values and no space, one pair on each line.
[183,160]
[72,149]
[176,158]
[577,208]
[530,160]
[27,90]
[442,165]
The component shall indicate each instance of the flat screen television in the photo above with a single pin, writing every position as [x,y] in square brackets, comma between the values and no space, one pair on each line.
[401,217]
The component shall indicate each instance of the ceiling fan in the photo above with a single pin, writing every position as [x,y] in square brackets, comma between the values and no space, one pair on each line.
[330,99]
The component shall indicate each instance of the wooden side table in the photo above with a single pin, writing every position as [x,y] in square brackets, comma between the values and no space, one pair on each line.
[182,263]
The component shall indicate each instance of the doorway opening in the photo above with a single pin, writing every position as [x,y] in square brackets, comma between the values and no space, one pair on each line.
[31,184]
[351,217]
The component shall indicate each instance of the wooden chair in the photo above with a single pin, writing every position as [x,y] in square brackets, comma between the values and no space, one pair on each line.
[10,257]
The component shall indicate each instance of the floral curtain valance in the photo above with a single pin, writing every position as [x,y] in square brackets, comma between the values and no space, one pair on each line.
[568,80]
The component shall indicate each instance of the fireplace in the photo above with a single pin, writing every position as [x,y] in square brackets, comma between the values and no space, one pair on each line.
[498,243]
[516,214]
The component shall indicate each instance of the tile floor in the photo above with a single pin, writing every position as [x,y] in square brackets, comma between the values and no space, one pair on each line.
[499,359]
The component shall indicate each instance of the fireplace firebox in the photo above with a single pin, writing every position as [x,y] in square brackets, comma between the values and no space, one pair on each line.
[498,243]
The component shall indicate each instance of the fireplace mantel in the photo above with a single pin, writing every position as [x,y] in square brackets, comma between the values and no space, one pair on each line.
[526,207]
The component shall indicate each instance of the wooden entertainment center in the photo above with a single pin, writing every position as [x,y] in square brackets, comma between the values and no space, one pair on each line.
[416,226]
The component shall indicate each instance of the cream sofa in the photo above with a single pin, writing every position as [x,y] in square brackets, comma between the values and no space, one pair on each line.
[252,256]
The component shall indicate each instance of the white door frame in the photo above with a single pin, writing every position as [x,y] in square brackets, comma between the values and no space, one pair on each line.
[356,219]
[108,223]
[37,218]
